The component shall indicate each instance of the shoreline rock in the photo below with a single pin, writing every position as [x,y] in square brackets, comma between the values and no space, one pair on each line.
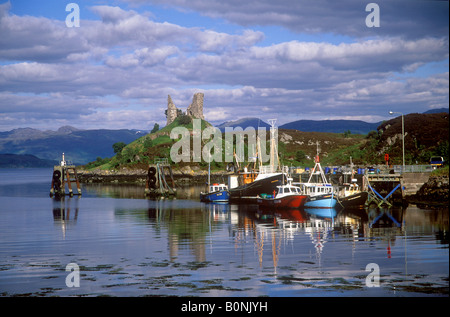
[433,193]
[125,176]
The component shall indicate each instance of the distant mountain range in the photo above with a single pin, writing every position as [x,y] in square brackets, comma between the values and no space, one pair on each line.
[243,123]
[36,148]
[24,160]
[79,146]
[437,110]
[330,126]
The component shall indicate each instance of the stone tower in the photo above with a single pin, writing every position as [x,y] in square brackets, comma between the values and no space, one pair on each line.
[172,111]
[195,110]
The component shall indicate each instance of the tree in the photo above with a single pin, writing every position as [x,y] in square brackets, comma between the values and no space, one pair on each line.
[184,120]
[155,128]
[300,156]
[118,147]
[347,133]
[179,112]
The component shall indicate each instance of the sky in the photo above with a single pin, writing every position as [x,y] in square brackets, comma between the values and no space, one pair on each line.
[286,60]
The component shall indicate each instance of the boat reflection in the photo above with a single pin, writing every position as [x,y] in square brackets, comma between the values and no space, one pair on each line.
[189,228]
[62,212]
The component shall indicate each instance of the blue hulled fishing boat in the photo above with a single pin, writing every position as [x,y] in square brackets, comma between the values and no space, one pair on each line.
[216,193]
[321,194]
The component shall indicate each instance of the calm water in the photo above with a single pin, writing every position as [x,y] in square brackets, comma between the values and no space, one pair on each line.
[125,245]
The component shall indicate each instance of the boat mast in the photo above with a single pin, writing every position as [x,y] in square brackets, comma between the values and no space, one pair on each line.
[258,153]
[209,173]
[274,161]
[317,166]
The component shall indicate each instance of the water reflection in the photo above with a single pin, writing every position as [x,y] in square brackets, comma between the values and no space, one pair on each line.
[134,191]
[305,241]
[129,245]
[192,225]
[65,212]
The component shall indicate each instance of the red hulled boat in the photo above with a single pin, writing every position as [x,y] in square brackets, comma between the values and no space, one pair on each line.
[286,196]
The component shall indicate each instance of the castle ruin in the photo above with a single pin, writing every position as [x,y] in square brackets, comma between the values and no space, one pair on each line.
[195,109]
[172,111]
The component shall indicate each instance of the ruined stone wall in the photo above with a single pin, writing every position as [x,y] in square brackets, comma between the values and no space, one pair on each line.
[171,111]
[195,110]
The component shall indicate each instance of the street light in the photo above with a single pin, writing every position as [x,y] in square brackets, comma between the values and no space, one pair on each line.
[403,138]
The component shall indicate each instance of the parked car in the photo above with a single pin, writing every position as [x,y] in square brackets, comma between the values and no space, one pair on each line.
[436,161]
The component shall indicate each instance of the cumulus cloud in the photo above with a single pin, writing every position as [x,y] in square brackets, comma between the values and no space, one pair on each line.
[116,71]
[405,18]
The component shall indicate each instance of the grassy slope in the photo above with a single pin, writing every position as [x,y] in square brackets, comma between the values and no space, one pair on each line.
[298,148]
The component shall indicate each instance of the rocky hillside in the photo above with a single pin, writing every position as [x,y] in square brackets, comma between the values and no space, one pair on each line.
[435,191]
[295,148]
[299,148]
[426,135]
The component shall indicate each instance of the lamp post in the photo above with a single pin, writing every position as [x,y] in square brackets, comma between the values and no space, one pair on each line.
[403,138]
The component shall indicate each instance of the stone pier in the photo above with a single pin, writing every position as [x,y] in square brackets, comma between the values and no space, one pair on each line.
[412,182]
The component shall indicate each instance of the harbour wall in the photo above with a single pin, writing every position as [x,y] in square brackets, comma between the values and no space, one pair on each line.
[433,192]
[412,182]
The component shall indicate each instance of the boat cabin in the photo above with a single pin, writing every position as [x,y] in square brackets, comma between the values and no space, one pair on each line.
[351,189]
[289,190]
[217,187]
[314,189]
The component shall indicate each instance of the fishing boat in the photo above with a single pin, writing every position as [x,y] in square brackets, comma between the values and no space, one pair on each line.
[286,196]
[353,196]
[248,184]
[263,183]
[321,194]
[216,193]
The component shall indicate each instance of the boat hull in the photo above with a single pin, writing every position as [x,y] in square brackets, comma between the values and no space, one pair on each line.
[357,200]
[219,196]
[262,186]
[324,213]
[292,201]
[321,201]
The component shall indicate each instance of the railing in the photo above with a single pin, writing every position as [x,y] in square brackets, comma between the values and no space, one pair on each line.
[267,169]
[413,168]
[161,161]
[377,169]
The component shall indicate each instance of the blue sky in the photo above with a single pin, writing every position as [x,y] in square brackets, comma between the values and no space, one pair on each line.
[288,60]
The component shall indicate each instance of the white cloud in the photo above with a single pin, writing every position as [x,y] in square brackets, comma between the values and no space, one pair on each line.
[405,18]
[119,69]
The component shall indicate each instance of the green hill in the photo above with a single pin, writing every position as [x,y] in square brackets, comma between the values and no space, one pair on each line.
[425,135]
[144,150]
